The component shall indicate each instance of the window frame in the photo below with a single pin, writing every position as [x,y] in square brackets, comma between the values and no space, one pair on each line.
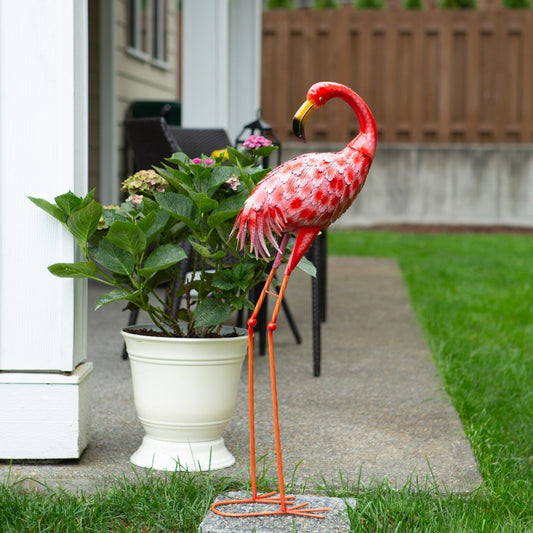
[147,40]
[159,34]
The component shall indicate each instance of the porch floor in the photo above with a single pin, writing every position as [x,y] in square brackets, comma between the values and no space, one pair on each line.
[377,412]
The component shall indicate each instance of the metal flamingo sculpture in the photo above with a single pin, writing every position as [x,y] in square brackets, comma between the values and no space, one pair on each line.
[303,196]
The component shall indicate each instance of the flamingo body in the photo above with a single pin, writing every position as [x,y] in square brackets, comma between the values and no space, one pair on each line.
[311,190]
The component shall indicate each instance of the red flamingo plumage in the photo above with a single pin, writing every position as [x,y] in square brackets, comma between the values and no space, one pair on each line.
[304,196]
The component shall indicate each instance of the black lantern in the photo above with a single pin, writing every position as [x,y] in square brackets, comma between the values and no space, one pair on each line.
[260,127]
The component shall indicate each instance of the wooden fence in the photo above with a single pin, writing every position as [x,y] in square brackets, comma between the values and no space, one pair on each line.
[429,76]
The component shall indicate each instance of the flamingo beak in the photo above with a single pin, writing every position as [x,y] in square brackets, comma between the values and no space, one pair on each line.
[300,118]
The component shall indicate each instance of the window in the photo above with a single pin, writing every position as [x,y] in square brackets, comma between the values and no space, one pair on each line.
[147,31]
[138,27]
[159,35]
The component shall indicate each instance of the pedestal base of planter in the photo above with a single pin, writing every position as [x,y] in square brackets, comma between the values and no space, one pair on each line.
[192,456]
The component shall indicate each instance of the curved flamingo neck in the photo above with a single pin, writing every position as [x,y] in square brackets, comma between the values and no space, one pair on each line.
[366,140]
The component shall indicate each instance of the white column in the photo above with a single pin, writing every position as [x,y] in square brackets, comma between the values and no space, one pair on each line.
[44,381]
[221,59]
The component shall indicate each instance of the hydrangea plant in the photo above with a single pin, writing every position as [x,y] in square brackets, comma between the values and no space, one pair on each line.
[183,211]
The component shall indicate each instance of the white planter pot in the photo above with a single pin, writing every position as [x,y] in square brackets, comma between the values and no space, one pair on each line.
[185,392]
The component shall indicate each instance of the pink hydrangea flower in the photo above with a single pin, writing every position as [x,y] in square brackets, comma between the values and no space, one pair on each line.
[233,183]
[207,161]
[135,200]
[256,141]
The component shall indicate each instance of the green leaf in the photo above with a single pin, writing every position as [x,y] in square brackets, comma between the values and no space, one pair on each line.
[157,279]
[179,158]
[159,225]
[244,273]
[224,280]
[88,198]
[203,202]
[257,176]
[51,209]
[201,249]
[163,257]
[179,181]
[237,157]
[306,266]
[127,207]
[211,312]
[68,202]
[114,258]
[215,219]
[112,215]
[227,209]
[83,222]
[204,251]
[127,236]
[218,177]
[265,151]
[200,172]
[145,223]
[180,207]
[113,296]
[82,269]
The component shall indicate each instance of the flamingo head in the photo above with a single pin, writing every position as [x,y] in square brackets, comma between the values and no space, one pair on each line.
[317,96]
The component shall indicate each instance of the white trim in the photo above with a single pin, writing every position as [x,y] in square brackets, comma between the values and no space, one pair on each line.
[81,161]
[205,64]
[146,58]
[45,416]
[245,64]
[138,54]
[221,63]
[162,65]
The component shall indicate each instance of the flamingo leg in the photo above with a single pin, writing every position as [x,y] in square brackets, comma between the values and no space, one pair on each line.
[285,502]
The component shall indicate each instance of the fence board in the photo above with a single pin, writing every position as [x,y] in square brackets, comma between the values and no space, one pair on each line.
[430,76]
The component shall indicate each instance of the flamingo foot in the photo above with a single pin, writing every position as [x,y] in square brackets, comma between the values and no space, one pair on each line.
[287,507]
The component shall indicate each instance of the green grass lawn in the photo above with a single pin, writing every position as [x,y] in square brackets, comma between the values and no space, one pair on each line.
[473,296]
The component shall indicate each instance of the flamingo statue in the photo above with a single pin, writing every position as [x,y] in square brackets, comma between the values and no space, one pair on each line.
[303,196]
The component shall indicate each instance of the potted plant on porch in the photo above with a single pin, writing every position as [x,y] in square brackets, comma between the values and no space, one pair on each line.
[186,364]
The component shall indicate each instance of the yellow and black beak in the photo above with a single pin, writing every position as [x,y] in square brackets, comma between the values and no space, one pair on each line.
[299,119]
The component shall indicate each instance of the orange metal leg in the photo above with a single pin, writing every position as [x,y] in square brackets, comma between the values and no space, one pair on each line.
[286,503]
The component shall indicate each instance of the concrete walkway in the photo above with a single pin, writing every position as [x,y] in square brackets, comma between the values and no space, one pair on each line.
[377,412]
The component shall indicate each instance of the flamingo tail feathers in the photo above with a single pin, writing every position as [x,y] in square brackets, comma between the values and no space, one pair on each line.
[263,225]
